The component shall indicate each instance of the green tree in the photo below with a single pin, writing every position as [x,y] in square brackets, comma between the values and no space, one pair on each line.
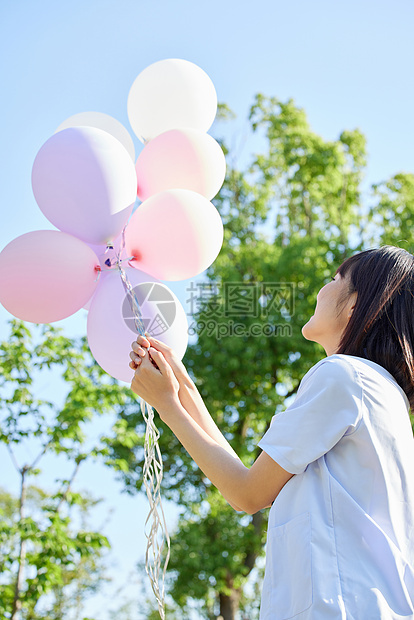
[65,563]
[393,211]
[289,218]
[47,552]
[307,192]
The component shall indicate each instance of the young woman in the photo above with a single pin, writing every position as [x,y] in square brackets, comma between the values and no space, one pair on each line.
[337,466]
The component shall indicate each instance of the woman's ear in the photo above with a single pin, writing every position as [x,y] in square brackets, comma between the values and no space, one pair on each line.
[351,303]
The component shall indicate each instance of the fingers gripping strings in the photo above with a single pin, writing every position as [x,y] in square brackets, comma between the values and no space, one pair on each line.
[157,536]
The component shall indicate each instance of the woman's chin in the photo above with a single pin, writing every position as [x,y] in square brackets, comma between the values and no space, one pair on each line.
[307,329]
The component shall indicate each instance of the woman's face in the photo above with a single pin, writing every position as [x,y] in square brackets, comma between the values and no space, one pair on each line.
[334,306]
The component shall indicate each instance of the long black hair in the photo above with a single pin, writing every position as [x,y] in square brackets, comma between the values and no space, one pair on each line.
[381,328]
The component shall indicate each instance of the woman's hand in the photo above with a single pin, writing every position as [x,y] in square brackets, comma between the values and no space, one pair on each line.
[140,348]
[157,386]
[188,393]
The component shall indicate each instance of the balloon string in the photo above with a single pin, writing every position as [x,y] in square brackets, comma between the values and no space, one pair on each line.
[153,471]
[157,536]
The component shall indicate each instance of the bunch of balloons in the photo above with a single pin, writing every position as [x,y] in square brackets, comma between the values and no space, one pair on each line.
[86,184]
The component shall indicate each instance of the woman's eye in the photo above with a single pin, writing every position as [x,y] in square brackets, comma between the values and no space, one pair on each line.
[333,278]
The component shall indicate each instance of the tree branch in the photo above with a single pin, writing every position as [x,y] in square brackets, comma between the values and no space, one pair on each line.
[13,458]
[17,603]
[65,493]
[39,456]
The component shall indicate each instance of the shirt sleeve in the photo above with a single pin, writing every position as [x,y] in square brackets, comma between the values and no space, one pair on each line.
[327,407]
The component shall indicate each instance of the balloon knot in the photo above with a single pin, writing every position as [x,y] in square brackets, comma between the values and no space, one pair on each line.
[136,255]
[98,272]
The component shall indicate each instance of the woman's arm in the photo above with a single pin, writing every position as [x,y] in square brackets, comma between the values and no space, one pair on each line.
[194,406]
[251,489]
[188,394]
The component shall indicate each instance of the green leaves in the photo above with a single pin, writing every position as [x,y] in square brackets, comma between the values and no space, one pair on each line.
[86,389]
[56,555]
[211,550]
[312,183]
[46,559]
[393,211]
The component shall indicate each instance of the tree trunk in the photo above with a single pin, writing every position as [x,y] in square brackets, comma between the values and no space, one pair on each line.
[17,603]
[253,554]
[229,604]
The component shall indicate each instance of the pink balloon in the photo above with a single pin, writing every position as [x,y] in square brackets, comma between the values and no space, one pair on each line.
[111,328]
[46,276]
[84,182]
[100,282]
[174,235]
[181,159]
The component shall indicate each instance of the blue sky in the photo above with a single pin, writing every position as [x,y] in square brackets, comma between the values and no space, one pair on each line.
[348,63]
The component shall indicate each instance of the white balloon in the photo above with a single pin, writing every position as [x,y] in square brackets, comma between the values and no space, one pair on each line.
[171,94]
[111,328]
[101,121]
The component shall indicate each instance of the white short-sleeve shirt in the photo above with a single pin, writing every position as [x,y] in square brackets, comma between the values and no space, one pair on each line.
[340,540]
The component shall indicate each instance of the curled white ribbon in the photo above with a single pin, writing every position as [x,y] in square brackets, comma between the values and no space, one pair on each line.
[157,536]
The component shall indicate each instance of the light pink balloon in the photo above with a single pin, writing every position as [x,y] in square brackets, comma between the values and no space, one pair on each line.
[102,277]
[174,235]
[84,182]
[181,159]
[46,276]
[111,328]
